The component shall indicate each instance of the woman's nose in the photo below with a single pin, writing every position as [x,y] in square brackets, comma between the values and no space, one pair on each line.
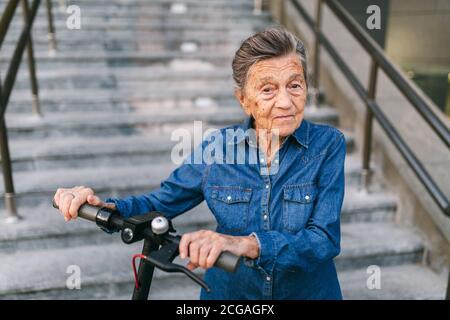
[283,100]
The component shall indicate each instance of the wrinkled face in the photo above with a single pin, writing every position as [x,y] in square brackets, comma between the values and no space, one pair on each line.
[275,94]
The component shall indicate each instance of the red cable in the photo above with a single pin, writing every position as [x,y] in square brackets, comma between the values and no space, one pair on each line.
[136,283]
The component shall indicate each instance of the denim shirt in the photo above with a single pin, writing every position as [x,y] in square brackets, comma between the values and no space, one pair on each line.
[293,210]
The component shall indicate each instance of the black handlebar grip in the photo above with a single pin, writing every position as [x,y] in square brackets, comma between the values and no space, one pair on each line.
[86,211]
[227,261]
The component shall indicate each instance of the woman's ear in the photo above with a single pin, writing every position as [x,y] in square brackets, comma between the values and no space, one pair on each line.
[241,98]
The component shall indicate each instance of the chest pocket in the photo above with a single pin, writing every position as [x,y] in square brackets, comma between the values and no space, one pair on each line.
[231,205]
[298,205]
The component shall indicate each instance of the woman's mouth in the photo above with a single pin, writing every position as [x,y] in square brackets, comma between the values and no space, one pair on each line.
[284,118]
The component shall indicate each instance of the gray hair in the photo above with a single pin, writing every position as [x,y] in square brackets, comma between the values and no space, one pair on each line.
[270,43]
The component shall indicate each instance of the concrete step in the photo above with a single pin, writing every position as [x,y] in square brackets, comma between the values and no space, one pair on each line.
[175,287]
[113,43]
[174,23]
[101,58]
[38,187]
[154,35]
[144,3]
[382,244]
[105,272]
[49,231]
[43,228]
[157,4]
[139,3]
[99,124]
[130,94]
[63,101]
[186,47]
[156,11]
[130,13]
[124,104]
[405,282]
[82,37]
[129,84]
[67,152]
[88,78]
[110,263]
[143,122]
[195,4]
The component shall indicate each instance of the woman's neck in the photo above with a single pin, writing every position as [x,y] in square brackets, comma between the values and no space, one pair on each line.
[269,142]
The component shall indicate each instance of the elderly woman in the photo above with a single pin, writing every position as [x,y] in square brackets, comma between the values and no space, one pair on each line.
[280,212]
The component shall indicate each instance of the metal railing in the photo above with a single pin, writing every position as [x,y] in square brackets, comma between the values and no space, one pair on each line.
[379,60]
[24,42]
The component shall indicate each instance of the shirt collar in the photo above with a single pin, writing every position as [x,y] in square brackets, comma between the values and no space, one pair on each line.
[301,134]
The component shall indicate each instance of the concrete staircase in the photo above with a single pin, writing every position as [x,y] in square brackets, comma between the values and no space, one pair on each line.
[111,96]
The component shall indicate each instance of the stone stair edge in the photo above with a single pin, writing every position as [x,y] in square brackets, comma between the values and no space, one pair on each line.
[46,179]
[426,285]
[400,282]
[56,147]
[96,252]
[51,224]
[85,119]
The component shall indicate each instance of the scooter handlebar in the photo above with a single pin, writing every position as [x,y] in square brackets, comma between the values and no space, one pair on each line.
[226,261]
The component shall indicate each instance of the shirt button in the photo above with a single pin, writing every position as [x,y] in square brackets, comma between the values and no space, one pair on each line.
[265,217]
[307,197]
[276,160]
[229,198]
[268,278]
[262,160]
[267,186]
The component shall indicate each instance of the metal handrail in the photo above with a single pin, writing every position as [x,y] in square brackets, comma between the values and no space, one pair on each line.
[379,60]
[24,42]
[7,16]
[16,59]
[374,50]
[397,77]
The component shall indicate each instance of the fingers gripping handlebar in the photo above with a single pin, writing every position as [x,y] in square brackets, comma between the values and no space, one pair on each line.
[155,227]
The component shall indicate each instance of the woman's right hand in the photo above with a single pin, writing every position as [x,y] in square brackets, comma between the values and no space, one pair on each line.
[69,200]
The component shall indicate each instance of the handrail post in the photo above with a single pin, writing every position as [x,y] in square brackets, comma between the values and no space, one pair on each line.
[62,6]
[51,28]
[314,91]
[31,64]
[257,7]
[283,18]
[10,199]
[447,295]
[367,143]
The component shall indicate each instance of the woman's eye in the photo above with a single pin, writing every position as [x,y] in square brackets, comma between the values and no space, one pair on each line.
[267,90]
[296,86]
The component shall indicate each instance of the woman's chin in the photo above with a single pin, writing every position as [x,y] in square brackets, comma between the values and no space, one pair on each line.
[285,126]
[284,132]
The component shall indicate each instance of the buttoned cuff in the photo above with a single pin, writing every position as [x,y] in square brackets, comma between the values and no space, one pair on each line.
[121,206]
[267,251]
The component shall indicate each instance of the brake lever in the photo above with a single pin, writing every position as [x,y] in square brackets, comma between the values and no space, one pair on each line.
[163,258]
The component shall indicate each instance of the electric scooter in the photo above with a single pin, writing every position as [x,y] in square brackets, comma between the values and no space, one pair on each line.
[160,245]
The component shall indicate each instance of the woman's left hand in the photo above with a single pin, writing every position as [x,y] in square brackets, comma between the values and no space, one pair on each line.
[204,247]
